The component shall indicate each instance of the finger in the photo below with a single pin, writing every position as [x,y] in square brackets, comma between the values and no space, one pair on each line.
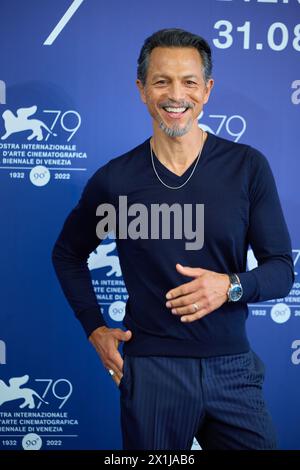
[116,379]
[116,361]
[188,271]
[117,373]
[184,300]
[121,335]
[189,309]
[183,289]
[195,316]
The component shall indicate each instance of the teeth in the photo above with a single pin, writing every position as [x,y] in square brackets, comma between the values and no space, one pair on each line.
[175,110]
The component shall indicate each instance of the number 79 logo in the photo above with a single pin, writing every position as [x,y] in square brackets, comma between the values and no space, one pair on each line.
[62,118]
[234,125]
[52,386]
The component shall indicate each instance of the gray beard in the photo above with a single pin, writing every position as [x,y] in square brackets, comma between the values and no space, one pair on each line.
[175,131]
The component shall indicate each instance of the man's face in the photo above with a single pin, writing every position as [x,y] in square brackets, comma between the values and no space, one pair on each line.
[175,90]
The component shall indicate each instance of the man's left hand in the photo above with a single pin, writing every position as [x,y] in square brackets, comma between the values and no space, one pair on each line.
[195,299]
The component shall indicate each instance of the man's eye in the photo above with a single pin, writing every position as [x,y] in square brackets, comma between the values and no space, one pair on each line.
[190,82]
[161,82]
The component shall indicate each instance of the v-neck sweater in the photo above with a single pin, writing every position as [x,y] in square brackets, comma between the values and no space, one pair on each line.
[242,209]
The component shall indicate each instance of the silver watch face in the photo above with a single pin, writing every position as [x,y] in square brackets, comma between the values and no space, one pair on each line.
[235,293]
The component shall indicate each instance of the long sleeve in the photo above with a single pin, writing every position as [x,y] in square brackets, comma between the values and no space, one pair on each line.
[268,237]
[76,241]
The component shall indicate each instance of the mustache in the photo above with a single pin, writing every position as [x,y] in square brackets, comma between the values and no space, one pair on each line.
[179,104]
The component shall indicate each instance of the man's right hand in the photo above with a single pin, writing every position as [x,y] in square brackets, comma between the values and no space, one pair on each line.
[106,342]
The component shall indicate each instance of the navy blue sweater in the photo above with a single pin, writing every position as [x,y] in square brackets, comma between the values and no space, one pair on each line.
[241,208]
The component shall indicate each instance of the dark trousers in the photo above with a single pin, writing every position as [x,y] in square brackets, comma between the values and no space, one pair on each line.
[166,401]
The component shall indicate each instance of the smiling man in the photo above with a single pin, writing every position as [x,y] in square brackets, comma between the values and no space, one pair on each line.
[188,369]
[179,72]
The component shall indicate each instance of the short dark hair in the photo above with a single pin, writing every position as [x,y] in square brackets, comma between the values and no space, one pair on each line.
[174,37]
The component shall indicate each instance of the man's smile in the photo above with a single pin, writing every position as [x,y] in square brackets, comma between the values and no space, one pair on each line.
[175,112]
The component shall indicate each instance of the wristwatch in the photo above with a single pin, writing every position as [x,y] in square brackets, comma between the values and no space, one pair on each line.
[235,290]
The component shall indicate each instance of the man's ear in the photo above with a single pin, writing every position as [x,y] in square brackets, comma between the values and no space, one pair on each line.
[141,90]
[209,86]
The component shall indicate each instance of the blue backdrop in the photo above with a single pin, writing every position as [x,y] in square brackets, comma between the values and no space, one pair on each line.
[68,104]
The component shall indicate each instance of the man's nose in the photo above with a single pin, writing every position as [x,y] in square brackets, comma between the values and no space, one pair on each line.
[176,92]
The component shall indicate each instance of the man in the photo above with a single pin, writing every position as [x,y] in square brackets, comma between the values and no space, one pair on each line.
[188,368]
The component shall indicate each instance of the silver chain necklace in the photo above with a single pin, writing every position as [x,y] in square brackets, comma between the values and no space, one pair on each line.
[188,179]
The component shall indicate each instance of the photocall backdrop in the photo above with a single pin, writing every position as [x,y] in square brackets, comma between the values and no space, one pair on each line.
[68,104]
